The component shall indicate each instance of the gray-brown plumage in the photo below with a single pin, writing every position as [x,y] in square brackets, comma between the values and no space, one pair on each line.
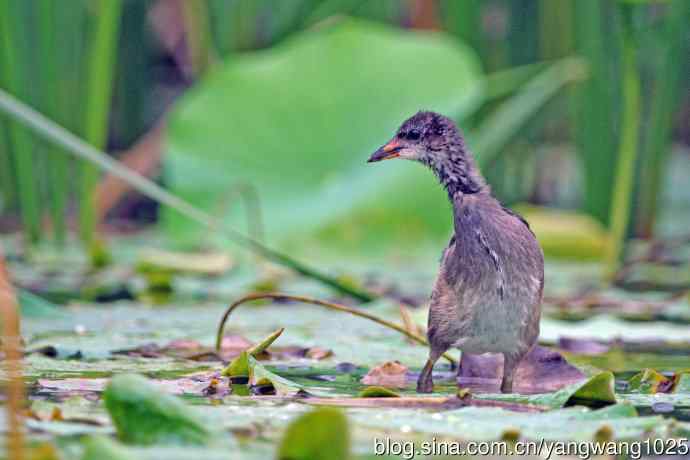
[487,296]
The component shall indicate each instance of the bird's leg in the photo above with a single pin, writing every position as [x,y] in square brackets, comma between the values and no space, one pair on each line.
[425,384]
[510,364]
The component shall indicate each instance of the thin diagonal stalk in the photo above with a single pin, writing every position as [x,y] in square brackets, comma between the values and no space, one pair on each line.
[98,93]
[505,82]
[80,149]
[329,305]
[22,146]
[627,154]
[11,347]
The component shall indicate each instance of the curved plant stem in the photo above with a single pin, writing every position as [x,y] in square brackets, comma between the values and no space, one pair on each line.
[329,305]
[55,133]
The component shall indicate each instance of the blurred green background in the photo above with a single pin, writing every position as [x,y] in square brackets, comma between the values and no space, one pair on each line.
[577,105]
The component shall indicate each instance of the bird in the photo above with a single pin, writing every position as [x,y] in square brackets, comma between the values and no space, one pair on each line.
[488,292]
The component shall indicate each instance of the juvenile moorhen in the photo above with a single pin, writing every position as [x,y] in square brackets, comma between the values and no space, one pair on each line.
[488,292]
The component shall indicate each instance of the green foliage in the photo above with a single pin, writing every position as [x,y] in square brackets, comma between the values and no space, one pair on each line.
[319,132]
[504,123]
[15,67]
[238,367]
[333,95]
[670,60]
[45,62]
[598,390]
[322,434]
[596,106]
[143,415]
[101,57]
[621,203]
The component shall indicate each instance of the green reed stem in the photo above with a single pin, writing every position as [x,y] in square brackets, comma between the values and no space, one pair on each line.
[627,154]
[664,102]
[595,103]
[98,94]
[57,184]
[22,146]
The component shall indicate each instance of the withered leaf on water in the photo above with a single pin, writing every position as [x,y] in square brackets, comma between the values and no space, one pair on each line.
[389,374]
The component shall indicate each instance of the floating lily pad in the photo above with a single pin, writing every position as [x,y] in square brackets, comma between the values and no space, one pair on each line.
[144,415]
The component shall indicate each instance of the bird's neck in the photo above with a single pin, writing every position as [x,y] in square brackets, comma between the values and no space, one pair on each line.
[458,174]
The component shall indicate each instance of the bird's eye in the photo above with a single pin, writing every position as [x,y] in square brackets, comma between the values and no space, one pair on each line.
[413,135]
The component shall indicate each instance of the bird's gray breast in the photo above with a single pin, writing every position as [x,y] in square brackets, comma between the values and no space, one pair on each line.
[495,269]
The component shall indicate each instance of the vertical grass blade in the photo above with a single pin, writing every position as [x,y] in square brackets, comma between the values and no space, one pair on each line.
[57,183]
[198,35]
[627,154]
[555,28]
[463,19]
[21,144]
[595,108]
[7,186]
[101,58]
[664,101]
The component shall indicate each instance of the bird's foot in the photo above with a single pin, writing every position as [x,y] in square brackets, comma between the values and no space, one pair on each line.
[506,386]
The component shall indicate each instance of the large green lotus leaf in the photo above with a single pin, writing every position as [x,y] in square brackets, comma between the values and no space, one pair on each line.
[299,121]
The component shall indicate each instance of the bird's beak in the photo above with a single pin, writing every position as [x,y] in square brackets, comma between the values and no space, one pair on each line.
[388,151]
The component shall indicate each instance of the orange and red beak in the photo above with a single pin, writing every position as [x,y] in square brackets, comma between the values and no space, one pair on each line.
[388,151]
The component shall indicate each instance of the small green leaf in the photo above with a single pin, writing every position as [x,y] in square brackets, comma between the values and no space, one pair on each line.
[595,392]
[265,343]
[143,415]
[282,385]
[322,434]
[598,390]
[238,367]
[378,392]
[647,381]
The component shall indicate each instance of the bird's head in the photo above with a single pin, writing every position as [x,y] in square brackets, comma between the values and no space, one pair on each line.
[426,137]
[435,141]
